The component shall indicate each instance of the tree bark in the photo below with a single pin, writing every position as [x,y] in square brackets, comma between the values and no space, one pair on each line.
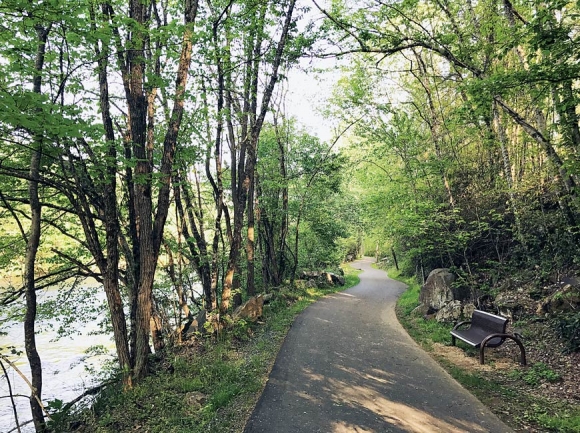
[109,266]
[507,169]
[32,245]
[248,151]
[250,241]
[151,231]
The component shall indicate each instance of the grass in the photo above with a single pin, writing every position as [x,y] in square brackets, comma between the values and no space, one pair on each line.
[507,395]
[425,332]
[210,386]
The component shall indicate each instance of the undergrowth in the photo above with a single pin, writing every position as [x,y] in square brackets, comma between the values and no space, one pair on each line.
[210,385]
[506,395]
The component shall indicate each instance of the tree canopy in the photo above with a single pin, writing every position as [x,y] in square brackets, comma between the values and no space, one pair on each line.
[145,145]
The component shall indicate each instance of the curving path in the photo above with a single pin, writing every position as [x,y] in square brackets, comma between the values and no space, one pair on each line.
[347,365]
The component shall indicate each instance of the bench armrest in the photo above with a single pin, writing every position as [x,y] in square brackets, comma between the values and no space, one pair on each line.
[465,322]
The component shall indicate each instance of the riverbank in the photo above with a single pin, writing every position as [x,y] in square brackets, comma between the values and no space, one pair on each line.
[208,384]
[73,349]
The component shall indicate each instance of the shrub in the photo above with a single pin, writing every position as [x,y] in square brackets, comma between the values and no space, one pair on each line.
[568,329]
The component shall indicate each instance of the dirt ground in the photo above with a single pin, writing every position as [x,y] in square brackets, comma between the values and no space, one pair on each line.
[502,365]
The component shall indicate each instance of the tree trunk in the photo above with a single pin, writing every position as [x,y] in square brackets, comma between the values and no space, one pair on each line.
[434,124]
[156,325]
[395,258]
[248,150]
[29,283]
[151,231]
[109,267]
[507,169]
[250,242]
[33,243]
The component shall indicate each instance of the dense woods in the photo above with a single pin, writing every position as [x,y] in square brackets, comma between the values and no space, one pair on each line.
[469,130]
[145,145]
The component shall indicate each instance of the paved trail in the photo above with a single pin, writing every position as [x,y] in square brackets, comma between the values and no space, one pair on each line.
[348,366]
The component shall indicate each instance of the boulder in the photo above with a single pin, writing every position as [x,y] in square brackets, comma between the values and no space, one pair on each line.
[310,284]
[333,279]
[251,309]
[514,304]
[468,310]
[450,312]
[309,275]
[437,290]
[423,311]
[237,299]
[564,299]
[197,324]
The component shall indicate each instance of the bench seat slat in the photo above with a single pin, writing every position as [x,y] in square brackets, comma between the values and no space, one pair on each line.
[474,336]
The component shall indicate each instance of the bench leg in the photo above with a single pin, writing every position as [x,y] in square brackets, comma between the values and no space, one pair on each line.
[453,340]
[512,337]
[522,351]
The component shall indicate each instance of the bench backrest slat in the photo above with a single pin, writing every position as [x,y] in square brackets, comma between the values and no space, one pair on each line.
[490,322]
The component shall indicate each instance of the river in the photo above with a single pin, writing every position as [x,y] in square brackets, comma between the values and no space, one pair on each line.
[66,365]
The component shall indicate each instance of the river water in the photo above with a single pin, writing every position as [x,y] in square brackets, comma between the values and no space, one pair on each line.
[66,365]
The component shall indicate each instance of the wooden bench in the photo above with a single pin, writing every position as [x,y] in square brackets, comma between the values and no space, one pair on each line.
[485,330]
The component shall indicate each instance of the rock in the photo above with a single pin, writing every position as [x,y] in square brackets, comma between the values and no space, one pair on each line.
[309,275]
[450,312]
[197,324]
[323,277]
[514,304]
[310,284]
[268,297]
[237,300]
[485,303]
[565,299]
[468,310]
[251,310]
[195,399]
[326,278]
[349,258]
[437,290]
[333,278]
[423,311]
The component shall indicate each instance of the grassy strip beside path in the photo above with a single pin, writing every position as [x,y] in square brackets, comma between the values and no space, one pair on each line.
[508,393]
[207,385]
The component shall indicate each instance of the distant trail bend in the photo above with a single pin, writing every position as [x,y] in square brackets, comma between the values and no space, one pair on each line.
[347,365]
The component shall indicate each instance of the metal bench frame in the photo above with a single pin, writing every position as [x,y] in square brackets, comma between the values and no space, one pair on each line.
[486,330]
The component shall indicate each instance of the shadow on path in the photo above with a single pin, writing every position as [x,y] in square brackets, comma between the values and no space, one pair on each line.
[348,366]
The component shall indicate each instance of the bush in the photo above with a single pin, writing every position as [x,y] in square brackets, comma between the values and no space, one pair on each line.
[568,329]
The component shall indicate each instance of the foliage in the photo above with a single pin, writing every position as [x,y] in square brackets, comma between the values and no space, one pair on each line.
[505,394]
[568,328]
[564,422]
[463,146]
[227,377]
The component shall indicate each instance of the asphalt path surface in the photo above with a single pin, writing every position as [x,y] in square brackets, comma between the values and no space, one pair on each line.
[347,365]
